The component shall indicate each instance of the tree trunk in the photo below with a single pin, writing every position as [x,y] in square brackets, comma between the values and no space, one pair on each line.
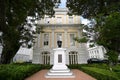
[8,53]
[2,16]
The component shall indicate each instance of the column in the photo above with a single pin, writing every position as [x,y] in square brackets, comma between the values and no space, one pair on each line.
[65,37]
[73,58]
[38,41]
[79,32]
[53,34]
[45,59]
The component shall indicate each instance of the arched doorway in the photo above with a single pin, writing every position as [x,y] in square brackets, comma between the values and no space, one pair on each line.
[73,57]
[46,57]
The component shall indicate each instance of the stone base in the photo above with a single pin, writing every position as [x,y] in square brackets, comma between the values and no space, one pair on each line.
[65,73]
[59,69]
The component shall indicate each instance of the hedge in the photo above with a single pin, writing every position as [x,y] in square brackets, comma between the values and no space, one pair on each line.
[19,71]
[116,69]
[78,66]
[100,74]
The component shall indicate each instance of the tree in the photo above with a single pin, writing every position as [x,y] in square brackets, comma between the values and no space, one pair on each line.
[99,10]
[88,8]
[106,13]
[112,57]
[109,34]
[13,22]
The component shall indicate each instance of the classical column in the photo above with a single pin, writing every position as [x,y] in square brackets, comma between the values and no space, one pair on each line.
[65,38]
[79,32]
[53,34]
[38,41]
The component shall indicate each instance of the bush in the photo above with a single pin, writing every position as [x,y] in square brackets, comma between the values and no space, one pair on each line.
[116,69]
[17,71]
[100,74]
[78,66]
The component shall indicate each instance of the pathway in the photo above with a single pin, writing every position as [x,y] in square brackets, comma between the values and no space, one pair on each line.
[79,75]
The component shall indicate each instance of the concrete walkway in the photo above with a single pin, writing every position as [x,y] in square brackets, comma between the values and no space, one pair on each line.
[79,75]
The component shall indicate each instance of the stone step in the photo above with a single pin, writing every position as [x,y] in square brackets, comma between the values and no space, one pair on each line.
[62,76]
[60,73]
[58,70]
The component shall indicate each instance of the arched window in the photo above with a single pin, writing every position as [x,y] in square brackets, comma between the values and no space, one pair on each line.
[46,57]
[73,57]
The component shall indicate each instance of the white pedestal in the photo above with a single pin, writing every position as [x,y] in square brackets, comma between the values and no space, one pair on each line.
[59,69]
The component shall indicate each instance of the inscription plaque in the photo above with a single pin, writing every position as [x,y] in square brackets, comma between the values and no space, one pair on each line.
[59,58]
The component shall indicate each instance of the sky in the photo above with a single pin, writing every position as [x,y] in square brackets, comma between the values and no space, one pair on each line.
[63,4]
[83,20]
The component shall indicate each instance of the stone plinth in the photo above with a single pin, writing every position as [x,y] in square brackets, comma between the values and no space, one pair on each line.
[59,69]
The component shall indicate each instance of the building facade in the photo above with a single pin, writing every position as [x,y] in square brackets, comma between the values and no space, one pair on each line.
[23,55]
[97,52]
[64,27]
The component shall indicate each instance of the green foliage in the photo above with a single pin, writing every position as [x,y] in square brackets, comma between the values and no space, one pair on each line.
[13,17]
[79,66]
[81,40]
[100,74]
[112,56]
[91,45]
[117,69]
[109,33]
[19,71]
[99,71]
[89,8]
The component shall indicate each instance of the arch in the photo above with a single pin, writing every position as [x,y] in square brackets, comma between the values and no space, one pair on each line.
[46,57]
[73,57]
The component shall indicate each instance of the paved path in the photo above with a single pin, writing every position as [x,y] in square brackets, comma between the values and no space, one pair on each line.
[79,75]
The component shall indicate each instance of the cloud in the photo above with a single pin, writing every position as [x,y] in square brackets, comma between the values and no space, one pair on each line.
[84,21]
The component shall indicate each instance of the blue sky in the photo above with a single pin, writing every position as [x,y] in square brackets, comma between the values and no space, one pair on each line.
[63,4]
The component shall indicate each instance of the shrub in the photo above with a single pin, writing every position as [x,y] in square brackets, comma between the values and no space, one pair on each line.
[17,71]
[100,74]
[78,66]
[116,69]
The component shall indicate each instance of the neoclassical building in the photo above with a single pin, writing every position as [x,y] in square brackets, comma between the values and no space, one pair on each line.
[64,26]
[97,52]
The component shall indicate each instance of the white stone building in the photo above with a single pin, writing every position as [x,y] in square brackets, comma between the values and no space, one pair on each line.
[65,26]
[97,52]
[23,55]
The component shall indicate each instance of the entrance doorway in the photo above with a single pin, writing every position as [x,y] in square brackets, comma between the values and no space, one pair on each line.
[46,57]
[73,57]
